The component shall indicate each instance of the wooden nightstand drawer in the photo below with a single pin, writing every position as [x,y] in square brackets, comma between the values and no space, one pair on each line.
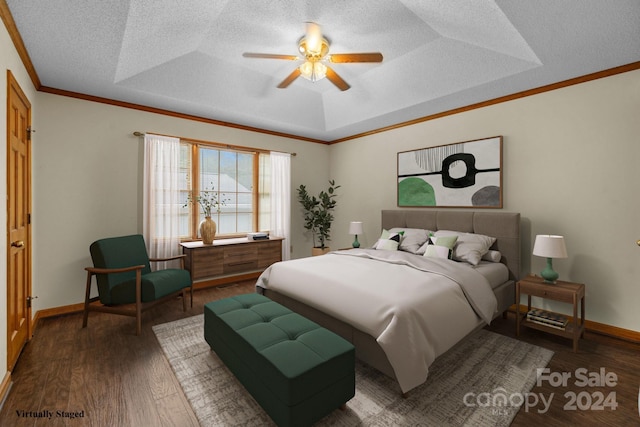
[546,291]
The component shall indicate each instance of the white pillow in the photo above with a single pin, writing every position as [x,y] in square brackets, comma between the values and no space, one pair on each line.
[492,256]
[412,239]
[386,245]
[470,247]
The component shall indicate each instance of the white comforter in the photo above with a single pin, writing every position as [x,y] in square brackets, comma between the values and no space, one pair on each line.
[414,315]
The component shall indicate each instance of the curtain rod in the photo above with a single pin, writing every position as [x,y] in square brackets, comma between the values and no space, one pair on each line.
[138,133]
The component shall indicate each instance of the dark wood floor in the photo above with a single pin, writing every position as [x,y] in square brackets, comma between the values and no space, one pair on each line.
[113,378]
[579,403]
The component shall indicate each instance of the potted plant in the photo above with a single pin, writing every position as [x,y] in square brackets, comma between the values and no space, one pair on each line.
[318,215]
[208,201]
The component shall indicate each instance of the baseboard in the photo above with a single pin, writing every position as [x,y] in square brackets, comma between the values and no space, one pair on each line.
[598,328]
[78,308]
[613,331]
[590,326]
[56,311]
[5,385]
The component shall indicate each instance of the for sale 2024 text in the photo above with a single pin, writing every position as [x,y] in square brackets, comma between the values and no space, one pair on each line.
[582,377]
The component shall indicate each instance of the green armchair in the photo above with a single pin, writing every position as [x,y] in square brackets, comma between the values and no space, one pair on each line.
[124,277]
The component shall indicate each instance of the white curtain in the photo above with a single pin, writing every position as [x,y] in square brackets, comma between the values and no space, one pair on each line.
[161,198]
[281,199]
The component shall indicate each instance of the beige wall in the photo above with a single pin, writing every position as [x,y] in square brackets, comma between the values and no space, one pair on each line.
[88,183]
[570,167]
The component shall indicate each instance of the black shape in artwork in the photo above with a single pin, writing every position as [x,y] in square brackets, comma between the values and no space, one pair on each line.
[468,180]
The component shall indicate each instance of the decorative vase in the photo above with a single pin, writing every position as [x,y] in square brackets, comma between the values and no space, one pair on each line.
[207,230]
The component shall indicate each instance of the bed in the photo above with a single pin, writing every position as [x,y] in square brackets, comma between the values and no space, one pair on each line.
[399,308]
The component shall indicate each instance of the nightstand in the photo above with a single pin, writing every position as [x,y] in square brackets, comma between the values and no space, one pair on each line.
[568,292]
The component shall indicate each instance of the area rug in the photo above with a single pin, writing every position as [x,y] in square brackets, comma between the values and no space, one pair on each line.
[482,381]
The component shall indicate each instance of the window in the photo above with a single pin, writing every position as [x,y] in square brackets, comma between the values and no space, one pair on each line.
[234,176]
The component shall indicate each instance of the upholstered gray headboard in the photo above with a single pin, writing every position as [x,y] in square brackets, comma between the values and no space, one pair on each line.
[504,226]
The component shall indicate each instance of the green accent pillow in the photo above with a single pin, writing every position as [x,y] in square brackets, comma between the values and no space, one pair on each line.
[440,247]
[389,241]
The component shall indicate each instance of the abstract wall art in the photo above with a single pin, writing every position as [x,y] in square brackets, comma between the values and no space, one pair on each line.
[461,175]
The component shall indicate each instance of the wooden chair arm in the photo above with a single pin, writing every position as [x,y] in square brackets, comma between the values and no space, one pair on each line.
[167,259]
[94,270]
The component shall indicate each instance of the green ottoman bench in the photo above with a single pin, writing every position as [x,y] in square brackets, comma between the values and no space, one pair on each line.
[295,369]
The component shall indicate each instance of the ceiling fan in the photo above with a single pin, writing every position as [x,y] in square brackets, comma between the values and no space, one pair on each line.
[314,51]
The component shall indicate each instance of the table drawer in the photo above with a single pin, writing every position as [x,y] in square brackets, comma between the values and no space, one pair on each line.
[546,291]
[269,253]
[206,262]
[240,258]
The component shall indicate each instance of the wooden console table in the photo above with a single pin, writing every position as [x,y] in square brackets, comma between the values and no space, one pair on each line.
[230,258]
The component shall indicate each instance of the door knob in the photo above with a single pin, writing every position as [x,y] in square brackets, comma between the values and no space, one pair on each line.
[18,244]
[638,243]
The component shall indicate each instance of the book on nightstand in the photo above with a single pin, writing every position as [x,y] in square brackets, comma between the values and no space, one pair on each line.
[547,318]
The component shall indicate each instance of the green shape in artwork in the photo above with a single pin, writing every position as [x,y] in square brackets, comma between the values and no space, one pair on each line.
[415,192]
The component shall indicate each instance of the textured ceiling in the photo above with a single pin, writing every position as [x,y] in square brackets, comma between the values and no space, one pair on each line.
[186,56]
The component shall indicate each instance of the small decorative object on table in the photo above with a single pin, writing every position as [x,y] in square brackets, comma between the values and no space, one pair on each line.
[550,247]
[355,227]
[208,201]
[258,236]
[207,229]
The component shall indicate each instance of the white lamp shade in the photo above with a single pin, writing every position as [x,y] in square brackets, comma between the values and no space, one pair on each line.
[549,246]
[355,227]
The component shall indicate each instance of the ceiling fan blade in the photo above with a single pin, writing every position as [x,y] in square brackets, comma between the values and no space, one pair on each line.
[269,56]
[356,57]
[290,78]
[337,80]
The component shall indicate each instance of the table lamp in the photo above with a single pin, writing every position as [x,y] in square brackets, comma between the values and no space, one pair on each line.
[550,247]
[355,227]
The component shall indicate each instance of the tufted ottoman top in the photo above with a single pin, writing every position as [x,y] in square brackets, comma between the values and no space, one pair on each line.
[291,355]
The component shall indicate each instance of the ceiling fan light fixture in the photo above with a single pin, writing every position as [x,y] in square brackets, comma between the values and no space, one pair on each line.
[313,70]
[313,47]
[313,50]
